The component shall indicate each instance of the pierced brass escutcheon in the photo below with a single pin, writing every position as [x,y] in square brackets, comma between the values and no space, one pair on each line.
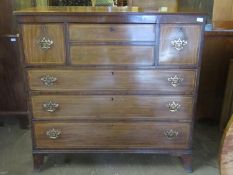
[50,106]
[174,106]
[179,44]
[175,81]
[48,80]
[45,43]
[53,133]
[171,134]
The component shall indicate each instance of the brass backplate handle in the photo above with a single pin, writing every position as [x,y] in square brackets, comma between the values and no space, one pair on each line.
[50,106]
[45,43]
[53,133]
[171,134]
[179,44]
[48,80]
[174,106]
[175,81]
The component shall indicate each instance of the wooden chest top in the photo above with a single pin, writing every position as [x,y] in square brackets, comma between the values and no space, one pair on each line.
[105,14]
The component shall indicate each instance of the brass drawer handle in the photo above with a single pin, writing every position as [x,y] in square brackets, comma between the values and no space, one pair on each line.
[179,44]
[45,43]
[50,106]
[171,134]
[174,106]
[53,133]
[175,81]
[48,80]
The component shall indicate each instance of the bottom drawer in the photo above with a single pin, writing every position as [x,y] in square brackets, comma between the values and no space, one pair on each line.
[55,135]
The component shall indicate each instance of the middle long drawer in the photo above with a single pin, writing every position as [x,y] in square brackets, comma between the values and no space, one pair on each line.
[152,81]
[115,106]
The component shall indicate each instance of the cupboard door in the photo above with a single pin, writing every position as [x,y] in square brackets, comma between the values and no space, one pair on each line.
[179,44]
[43,44]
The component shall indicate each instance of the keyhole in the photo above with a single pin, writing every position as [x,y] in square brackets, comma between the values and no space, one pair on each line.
[112,99]
[112,29]
[112,73]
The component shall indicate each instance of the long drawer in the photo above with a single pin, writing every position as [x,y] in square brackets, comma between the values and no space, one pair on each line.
[55,135]
[156,81]
[119,107]
[112,32]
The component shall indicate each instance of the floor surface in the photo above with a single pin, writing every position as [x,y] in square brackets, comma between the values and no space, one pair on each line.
[16,159]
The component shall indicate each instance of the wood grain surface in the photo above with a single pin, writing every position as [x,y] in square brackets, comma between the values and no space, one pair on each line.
[105,104]
[227,107]
[112,135]
[118,107]
[112,55]
[226,156]
[13,101]
[223,20]
[111,80]
[112,32]
[217,53]
[32,33]
[189,55]
[73,10]
[155,4]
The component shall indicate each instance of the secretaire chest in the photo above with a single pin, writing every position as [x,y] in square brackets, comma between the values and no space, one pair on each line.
[119,80]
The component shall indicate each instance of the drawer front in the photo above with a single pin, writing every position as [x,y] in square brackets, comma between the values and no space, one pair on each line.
[43,44]
[119,107]
[111,135]
[179,44]
[112,55]
[112,32]
[104,81]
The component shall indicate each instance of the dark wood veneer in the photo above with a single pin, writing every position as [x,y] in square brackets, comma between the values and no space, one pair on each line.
[13,103]
[217,52]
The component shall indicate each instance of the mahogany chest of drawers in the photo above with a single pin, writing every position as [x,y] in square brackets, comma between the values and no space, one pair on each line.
[111,80]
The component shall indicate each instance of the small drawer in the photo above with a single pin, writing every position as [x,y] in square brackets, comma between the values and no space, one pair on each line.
[112,55]
[127,135]
[105,81]
[112,32]
[114,106]
[179,44]
[43,44]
